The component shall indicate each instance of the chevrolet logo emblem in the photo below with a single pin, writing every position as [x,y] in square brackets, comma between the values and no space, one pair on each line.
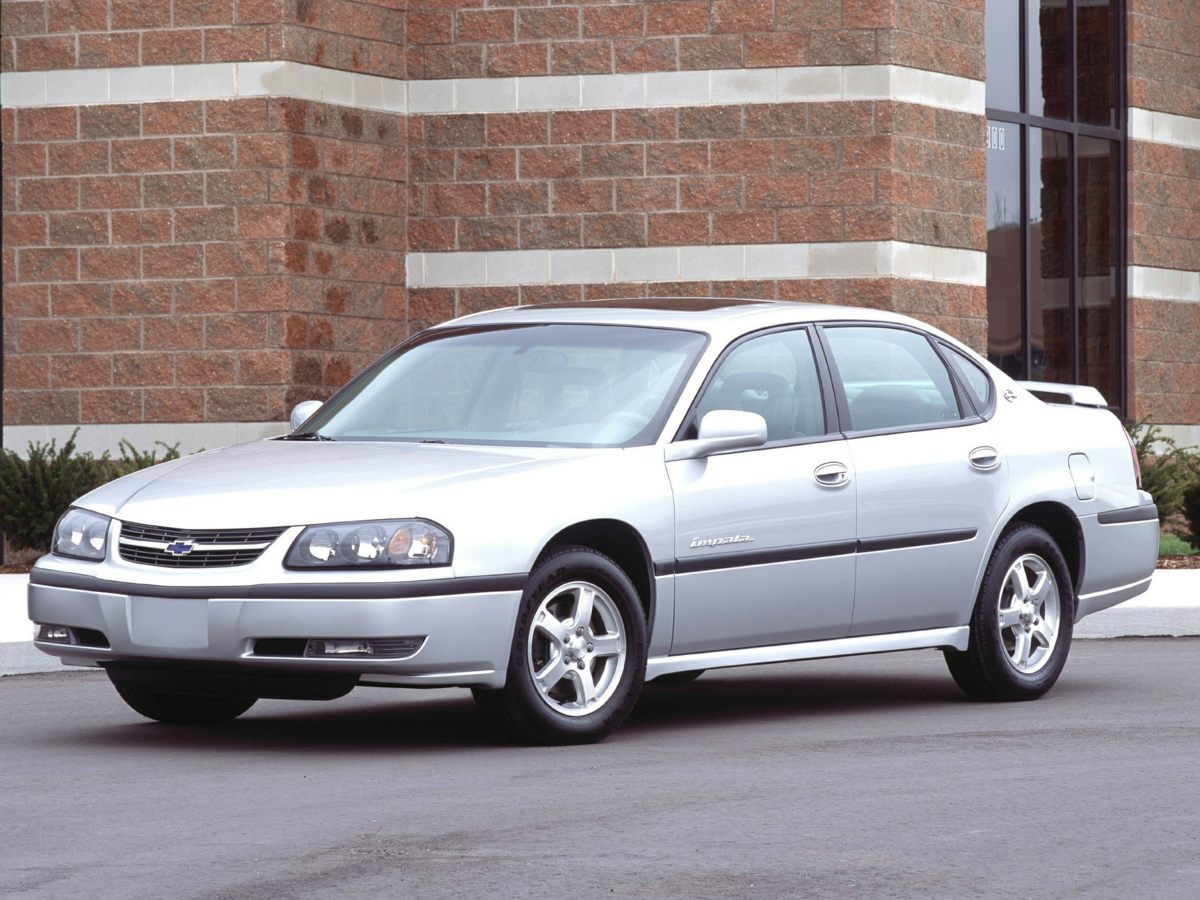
[180,548]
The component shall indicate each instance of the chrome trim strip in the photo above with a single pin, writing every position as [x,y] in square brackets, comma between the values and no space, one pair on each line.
[854,646]
[196,547]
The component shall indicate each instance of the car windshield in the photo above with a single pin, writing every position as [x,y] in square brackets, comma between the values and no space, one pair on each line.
[522,385]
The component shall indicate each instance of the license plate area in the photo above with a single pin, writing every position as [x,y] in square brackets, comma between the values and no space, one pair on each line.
[168,623]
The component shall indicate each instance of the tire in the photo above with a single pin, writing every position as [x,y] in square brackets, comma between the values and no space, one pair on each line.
[1018,649]
[678,678]
[591,673]
[184,709]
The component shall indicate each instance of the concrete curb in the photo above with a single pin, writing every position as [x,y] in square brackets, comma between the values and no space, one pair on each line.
[1171,608]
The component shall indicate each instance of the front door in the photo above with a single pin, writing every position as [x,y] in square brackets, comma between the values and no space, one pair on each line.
[765,538]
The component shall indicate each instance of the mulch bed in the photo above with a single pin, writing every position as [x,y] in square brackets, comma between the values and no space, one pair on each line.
[1179,562]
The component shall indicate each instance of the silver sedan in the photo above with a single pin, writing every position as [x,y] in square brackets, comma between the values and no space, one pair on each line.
[552,505]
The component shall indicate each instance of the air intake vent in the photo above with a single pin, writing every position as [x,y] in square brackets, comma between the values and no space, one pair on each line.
[152,545]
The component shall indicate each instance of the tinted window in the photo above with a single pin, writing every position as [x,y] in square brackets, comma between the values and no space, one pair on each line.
[891,377]
[976,380]
[775,376]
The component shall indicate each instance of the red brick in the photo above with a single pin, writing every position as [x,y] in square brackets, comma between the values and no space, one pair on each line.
[141,298]
[49,193]
[235,331]
[742,157]
[110,192]
[174,404]
[613,21]
[546,24]
[141,156]
[24,159]
[173,118]
[91,370]
[264,366]
[245,42]
[647,194]
[581,127]
[173,261]
[486,25]
[26,301]
[174,190]
[722,51]
[689,158]
[113,120]
[110,263]
[183,45]
[580,57]
[550,162]
[677,18]
[678,229]
[203,12]
[508,129]
[620,230]
[138,369]
[48,336]
[57,264]
[206,295]
[140,14]
[844,188]
[205,223]
[739,16]
[110,406]
[76,15]
[743,227]
[206,367]
[173,332]
[111,334]
[517,59]
[237,116]
[24,231]
[45,52]
[72,229]
[99,50]
[48,124]
[141,227]
[22,371]
[79,158]
[203,153]
[576,195]
[262,221]
[81,299]
[263,294]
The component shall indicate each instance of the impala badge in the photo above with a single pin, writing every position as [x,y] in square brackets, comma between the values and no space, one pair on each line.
[717,542]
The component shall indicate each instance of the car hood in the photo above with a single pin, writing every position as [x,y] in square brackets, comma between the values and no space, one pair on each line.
[282,483]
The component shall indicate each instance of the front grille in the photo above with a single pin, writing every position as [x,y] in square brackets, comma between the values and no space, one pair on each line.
[193,548]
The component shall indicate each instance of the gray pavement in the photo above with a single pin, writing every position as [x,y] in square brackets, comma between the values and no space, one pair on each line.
[840,778]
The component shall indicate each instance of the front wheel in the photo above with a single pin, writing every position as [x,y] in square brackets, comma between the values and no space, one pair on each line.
[184,709]
[578,655]
[1023,620]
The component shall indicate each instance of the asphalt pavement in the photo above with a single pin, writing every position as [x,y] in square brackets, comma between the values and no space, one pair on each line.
[840,778]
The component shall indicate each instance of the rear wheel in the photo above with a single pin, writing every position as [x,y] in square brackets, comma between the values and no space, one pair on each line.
[578,656]
[184,709]
[1023,620]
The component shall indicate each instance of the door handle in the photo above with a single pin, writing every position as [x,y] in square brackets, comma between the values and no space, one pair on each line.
[984,458]
[831,474]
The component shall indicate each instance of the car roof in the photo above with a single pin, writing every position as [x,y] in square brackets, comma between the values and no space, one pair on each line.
[717,316]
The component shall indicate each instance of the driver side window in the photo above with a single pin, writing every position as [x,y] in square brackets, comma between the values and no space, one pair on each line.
[774,375]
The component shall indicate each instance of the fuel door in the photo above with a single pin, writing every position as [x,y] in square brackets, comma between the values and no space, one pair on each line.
[1083,476]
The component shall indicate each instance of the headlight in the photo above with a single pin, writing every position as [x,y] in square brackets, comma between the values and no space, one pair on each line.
[392,542]
[81,534]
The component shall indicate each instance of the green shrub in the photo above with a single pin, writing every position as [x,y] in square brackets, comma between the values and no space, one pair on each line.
[1174,545]
[1191,512]
[1167,469]
[36,490]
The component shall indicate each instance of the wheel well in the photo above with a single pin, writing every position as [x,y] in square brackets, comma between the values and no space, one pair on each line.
[621,543]
[1062,525]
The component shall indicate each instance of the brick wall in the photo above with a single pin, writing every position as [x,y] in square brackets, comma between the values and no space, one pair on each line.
[476,38]
[1164,213]
[357,35]
[178,262]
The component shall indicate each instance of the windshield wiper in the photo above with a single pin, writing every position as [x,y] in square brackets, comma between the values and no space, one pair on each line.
[306,436]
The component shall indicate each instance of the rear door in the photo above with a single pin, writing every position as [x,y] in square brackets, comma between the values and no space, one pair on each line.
[932,480]
[764,541]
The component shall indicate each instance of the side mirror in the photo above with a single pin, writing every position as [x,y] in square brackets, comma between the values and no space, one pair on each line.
[721,430]
[302,412]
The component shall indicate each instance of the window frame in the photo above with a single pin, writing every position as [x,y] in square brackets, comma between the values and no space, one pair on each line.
[833,430]
[966,409]
[1074,129]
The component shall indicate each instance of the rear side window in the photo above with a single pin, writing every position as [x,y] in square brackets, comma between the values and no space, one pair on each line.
[892,378]
[978,384]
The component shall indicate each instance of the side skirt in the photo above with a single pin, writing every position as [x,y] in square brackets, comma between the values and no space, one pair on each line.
[955,638]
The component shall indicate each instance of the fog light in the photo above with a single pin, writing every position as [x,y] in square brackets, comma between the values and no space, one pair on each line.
[339,648]
[54,634]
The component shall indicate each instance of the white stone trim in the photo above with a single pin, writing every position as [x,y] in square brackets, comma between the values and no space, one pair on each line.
[190,436]
[1164,128]
[708,87]
[723,262]
[1151,283]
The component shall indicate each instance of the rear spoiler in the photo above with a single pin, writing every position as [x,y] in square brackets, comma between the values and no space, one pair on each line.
[1065,394]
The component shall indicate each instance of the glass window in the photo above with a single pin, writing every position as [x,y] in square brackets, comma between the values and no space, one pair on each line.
[1050,255]
[891,378]
[1096,294]
[1002,35]
[537,385]
[978,384]
[1048,62]
[775,376]
[1006,344]
[1095,45]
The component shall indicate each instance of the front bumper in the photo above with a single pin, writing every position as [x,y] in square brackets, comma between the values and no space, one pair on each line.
[468,634]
